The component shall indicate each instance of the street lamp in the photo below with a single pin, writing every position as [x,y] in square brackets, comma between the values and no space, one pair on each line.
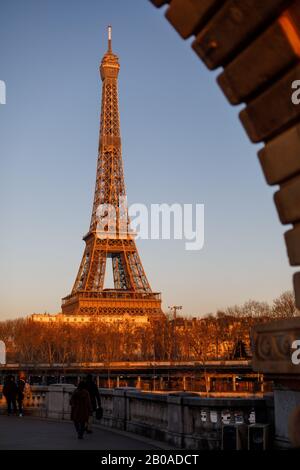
[174,308]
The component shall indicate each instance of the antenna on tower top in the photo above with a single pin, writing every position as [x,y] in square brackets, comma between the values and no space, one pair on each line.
[109,38]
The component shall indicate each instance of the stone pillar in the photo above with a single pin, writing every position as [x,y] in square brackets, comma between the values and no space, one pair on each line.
[273,353]
[2,352]
[58,401]
[234,383]
[207,383]
[261,383]
[119,409]
[161,383]
[154,383]
[175,434]
[118,381]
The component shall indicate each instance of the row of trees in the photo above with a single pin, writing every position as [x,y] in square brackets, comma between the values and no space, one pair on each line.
[202,338]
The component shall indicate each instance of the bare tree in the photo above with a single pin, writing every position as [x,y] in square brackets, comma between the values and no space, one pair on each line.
[284,306]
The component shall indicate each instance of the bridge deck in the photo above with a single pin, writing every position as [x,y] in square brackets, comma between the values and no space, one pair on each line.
[37,434]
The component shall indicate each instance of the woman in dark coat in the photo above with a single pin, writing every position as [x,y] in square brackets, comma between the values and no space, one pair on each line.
[92,388]
[80,408]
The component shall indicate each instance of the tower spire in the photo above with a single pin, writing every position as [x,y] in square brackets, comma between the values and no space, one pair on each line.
[109,32]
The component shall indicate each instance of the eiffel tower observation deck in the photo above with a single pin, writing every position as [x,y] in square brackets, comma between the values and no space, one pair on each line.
[109,236]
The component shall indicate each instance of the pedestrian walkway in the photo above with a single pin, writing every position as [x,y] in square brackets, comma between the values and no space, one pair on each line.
[37,434]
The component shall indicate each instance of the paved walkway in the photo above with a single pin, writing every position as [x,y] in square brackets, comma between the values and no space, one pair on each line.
[34,434]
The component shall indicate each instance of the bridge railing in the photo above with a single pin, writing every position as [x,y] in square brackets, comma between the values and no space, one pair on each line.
[34,400]
[112,294]
[180,419]
[184,420]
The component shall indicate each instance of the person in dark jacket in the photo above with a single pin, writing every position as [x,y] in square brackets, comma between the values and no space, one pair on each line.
[20,394]
[92,388]
[10,391]
[80,408]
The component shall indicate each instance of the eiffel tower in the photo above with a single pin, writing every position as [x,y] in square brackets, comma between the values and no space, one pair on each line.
[132,293]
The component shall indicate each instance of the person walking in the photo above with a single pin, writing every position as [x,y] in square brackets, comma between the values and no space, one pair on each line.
[10,391]
[81,408]
[20,394]
[94,394]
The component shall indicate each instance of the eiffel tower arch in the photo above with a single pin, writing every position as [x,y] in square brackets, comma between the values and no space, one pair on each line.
[132,294]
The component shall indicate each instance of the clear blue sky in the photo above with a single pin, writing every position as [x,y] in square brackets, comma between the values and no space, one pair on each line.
[182,142]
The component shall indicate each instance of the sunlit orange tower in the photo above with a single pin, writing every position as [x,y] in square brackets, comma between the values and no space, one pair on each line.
[132,293]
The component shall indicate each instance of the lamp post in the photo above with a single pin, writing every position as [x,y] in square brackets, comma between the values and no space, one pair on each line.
[174,308]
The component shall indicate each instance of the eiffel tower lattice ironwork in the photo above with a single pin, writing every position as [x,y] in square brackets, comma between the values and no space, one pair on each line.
[132,293]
